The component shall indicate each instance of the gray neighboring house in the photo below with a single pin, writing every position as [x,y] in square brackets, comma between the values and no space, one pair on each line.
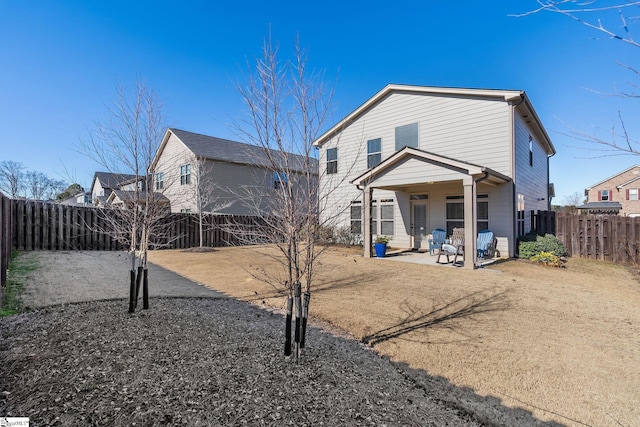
[104,183]
[235,172]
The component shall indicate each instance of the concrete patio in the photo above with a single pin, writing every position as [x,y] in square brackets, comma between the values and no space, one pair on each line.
[423,257]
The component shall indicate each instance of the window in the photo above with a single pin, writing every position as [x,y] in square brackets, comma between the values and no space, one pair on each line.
[530,151]
[185,174]
[520,219]
[374,152]
[455,213]
[632,194]
[356,217]
[185,210]
[604,196]
[386,217]
[280,179]
[159,180]
[407,136]
[332,161]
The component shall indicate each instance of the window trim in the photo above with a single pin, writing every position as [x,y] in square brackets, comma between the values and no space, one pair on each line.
[159,180]
[332,163]
[459,199]
[530,151]
[185,174]
[370,154]
[355,220]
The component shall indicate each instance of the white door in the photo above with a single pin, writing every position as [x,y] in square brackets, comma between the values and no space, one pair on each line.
[419,224]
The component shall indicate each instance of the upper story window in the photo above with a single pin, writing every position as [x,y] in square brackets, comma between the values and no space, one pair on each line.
[407,136]
[332,161]
[159,180]
[530,151]
[280,179]
[374,152]
[605,196]
[632,194]
[185,174]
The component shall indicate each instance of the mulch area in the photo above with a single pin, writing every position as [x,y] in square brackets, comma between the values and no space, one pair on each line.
[197,362]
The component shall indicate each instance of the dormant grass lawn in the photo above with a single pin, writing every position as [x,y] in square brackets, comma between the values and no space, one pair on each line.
[563,344]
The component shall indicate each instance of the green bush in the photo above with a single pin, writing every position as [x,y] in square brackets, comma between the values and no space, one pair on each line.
[529,247]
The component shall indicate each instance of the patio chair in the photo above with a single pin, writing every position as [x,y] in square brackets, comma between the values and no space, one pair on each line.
[455,248]
[438,238]
[485,244]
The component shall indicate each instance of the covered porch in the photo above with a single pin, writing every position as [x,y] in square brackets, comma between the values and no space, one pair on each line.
[413,174]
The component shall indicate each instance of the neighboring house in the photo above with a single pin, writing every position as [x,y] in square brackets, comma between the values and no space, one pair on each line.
[104,183]
[618,194]
[428,157]
[232,174]
[79,199]
[126,199]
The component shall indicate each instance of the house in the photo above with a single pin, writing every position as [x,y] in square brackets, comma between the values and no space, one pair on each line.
[414,158]
[618,194]
[219,175]
[79,199]
[104,183]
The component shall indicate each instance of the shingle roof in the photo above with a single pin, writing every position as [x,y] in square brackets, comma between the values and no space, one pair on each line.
[111,180]
[213,148]
[601,206]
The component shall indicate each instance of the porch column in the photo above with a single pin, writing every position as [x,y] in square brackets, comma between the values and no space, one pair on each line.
[366,221]
[470,200]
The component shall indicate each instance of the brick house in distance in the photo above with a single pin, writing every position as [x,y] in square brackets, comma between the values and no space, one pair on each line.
[618,195]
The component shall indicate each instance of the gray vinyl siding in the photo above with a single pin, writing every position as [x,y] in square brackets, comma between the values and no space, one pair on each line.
[472,130]
[531,181]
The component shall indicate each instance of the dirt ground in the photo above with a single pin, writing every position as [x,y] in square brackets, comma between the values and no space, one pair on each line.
[563,344]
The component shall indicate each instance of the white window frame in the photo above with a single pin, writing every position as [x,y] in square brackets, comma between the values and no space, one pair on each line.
[332,161]
[374,157]
[633,194]
[356,220]
[185,174]
[159,180]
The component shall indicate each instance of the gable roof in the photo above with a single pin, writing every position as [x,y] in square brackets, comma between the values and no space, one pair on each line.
[213,148]
[613,176]
[516,96]
[111,180]
[446,162]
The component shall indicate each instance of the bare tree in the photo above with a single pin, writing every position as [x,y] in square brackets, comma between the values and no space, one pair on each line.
[125,141]
[12,178]
[614,20]
[287,106]
[42,187]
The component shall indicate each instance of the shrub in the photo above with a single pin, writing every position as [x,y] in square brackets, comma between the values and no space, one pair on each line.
[529,248]
[547,258]
[341,236]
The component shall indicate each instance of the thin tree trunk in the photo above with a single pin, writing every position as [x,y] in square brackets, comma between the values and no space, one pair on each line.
[287,335]
[297,291]
[145,290]
[132,291]
[305,315]
[138,283]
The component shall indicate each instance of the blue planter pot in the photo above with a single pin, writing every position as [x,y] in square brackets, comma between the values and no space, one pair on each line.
[381,249]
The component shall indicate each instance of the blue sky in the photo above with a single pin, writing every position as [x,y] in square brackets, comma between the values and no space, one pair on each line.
[61,60]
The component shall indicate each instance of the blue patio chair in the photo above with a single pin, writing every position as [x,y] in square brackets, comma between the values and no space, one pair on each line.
[438,238]
[485,244]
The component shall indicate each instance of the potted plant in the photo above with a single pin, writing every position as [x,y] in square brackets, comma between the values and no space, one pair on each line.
[381,245]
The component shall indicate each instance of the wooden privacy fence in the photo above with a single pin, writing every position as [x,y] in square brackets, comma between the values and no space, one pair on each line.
[5,237]
[602,237]
[36,225]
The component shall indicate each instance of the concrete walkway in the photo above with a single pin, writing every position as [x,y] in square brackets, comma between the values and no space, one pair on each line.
[80,276]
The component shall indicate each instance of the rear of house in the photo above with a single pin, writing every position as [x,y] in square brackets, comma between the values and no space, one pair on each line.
[424,158]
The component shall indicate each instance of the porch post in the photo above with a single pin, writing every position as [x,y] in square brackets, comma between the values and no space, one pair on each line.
[366,223]
[470,200]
